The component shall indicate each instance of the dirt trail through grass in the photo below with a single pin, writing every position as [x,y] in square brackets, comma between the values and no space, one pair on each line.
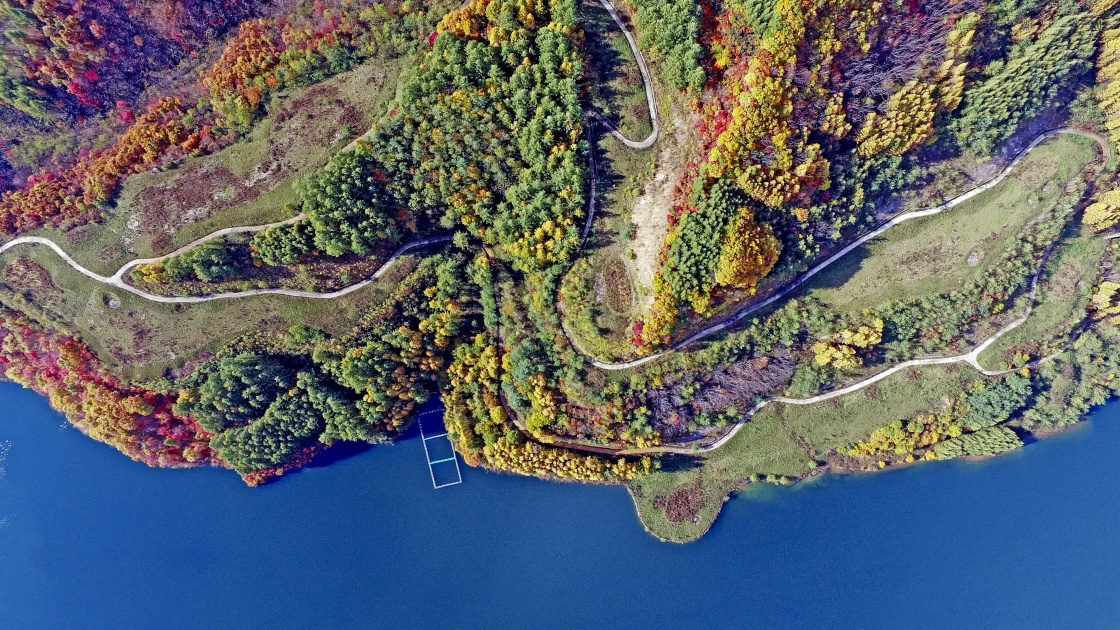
[970,358]
[117,279]
[1106,150]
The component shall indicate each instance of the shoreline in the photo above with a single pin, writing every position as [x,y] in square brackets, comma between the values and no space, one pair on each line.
[828,470]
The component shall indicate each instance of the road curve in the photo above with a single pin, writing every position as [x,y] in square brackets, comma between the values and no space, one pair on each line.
[651,100]
[1106,150]
[117,279]
[119,275]
[970,358]
[198,241]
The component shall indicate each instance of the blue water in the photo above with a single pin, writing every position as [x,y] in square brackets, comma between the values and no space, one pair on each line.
[91,539]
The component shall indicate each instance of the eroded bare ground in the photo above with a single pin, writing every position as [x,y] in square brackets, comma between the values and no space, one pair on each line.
[650,214]
[296,136]
[206,188]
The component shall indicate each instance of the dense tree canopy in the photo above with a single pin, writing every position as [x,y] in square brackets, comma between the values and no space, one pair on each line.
[1026,84]
[235,391]
[671,30]
[807,121]
[345,205]
[208,262]
[284,244]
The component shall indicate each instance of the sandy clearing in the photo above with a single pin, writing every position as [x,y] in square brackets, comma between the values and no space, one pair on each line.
[650,214]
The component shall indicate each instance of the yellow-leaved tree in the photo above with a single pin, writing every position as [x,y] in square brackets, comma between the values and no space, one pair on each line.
[658,324]
[1100,7]
[906,119]
[840,351]
[1106,302]
[762,149]
[950,75]
[1104,213]
[1108,87]
[748,252]
[467,21]
[906,123]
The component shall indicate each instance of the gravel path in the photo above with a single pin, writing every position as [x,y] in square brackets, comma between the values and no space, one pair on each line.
[651,99]
[1106,150]
[117,279]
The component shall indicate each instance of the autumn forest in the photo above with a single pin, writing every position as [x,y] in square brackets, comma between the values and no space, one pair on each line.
[858,234]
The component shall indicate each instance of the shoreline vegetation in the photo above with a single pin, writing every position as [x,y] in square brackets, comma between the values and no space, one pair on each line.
[819,473]
[774,305]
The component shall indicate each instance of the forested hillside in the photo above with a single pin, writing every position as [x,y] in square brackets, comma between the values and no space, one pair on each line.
[818,112]
[499,210]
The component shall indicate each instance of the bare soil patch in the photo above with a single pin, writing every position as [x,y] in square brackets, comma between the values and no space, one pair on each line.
[650,215]
[618,293]
[204,188]
[683,503]
[919,261]
[1038,172]
[1066,284]
[24,274]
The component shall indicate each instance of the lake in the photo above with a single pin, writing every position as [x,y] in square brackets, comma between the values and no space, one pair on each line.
[92,539]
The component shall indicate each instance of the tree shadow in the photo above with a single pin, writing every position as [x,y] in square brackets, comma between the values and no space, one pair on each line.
[838,273]
[675,463]
[605,63]
[1028,437]
[345,450]
[608,180]
[339,452]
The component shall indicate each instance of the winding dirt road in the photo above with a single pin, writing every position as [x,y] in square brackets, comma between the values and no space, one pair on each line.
[971,358]
[117,279]
[1106,150]
[651,99]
